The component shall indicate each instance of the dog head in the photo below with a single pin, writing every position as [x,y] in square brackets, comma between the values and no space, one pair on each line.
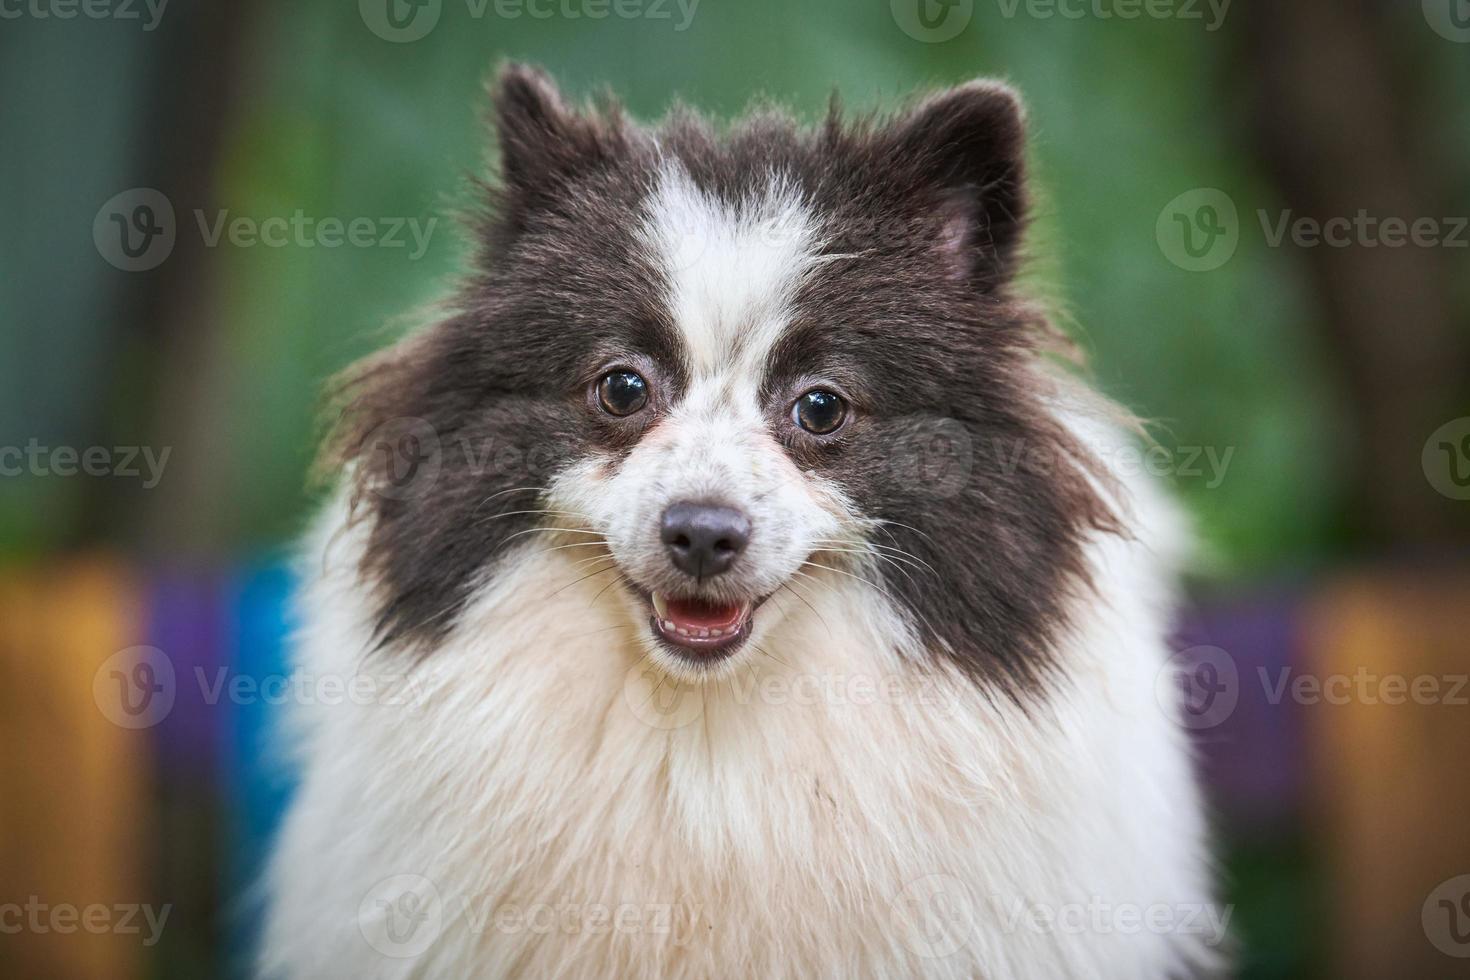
[720,366]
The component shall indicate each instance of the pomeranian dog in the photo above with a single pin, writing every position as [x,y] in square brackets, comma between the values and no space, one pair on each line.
[734,582]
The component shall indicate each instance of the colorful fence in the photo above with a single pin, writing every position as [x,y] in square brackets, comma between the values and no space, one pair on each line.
[116,796]
[139,768]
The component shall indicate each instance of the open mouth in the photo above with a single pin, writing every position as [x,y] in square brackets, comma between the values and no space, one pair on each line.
[701,630]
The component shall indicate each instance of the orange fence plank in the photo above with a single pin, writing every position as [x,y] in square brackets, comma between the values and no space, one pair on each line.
[1390,740]
[73,809]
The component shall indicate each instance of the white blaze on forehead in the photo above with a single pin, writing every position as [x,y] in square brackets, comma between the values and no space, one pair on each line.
[732,268]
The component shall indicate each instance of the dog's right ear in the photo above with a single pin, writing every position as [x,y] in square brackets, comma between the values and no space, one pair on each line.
[969,142]
[543,143]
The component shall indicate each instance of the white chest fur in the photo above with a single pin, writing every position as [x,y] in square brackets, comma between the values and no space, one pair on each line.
[533,802]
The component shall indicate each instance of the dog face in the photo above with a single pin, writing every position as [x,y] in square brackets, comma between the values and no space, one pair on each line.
[710,511]
[730,366]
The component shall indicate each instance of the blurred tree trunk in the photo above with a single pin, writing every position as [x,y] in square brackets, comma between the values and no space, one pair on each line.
[1334,116]
[177,322]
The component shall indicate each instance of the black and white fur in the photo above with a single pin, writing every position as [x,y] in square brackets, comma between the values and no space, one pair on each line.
[1009,606]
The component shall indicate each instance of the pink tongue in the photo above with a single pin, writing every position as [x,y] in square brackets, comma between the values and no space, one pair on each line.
[694,614]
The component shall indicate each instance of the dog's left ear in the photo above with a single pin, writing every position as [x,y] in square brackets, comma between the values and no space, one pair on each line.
[968,145]
[545,144]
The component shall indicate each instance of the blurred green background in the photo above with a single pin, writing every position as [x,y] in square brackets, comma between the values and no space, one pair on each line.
[266,108]
[1322,371]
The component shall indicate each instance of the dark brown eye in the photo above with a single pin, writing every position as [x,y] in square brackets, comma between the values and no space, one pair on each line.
[819,412]
[622,392]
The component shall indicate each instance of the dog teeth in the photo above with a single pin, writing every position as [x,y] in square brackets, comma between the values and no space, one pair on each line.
[667,625]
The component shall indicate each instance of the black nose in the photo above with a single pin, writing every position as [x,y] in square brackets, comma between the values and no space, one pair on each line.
[703,539]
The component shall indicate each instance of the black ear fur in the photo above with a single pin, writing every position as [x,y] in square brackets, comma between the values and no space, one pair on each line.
[543,143]
[969,144]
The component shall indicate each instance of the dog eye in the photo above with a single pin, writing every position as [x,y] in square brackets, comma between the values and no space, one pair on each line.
[622,392]
[819,412]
